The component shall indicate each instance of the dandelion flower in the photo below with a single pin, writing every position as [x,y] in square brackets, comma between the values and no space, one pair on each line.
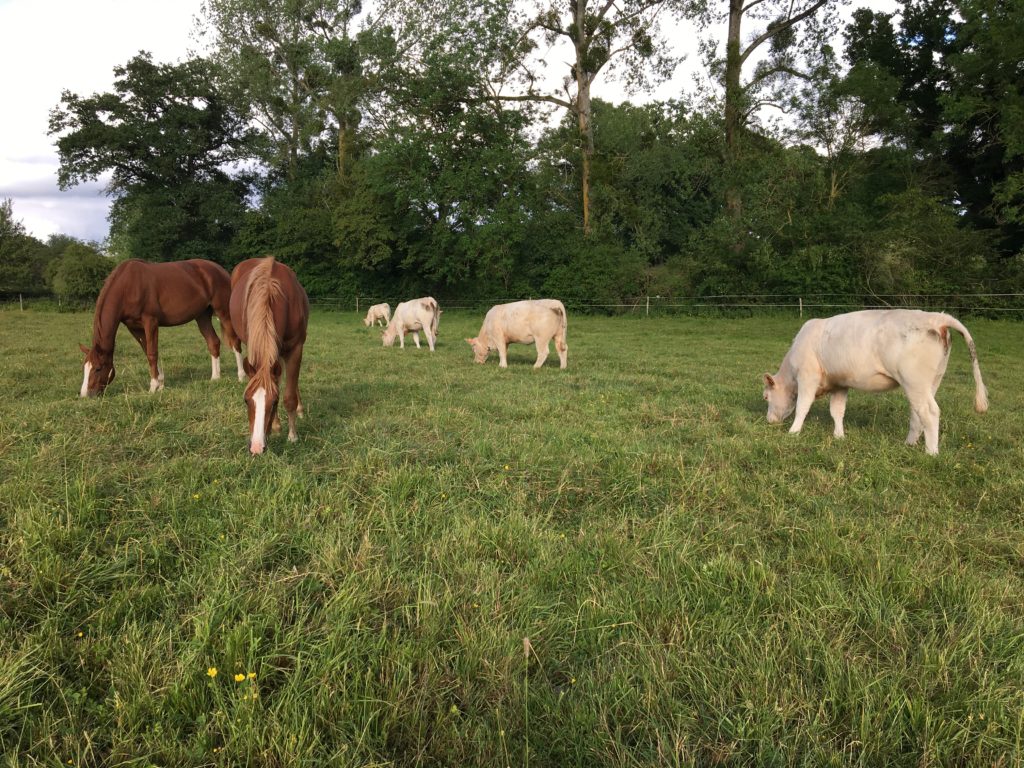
[211,672]
[252,675]
[239,677]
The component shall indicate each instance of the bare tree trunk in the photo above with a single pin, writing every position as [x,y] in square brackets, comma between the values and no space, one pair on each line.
[583,107]
[733,107]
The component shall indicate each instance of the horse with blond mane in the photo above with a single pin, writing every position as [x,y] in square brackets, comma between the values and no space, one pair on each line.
[270,310]
[145,296]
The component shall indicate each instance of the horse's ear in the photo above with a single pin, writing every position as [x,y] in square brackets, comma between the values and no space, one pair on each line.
[276,368]
[247,367]
[85,349]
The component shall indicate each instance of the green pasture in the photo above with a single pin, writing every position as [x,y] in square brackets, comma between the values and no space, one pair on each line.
[620,564]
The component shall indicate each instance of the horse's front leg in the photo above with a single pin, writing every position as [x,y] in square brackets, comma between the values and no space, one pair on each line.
[292,401]
[156,376]
[205,323]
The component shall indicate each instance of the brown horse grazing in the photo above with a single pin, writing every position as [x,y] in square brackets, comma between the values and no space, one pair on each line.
[145,296]
[270,310]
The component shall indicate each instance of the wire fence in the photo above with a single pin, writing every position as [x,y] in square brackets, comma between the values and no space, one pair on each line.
[994,304]
[808,304]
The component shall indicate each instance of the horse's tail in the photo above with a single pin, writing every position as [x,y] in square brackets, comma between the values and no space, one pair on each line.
[261,291]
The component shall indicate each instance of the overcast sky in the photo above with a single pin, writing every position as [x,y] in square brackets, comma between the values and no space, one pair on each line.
[47,46]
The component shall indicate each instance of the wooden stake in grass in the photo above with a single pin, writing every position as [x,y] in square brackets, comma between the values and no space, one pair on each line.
[527,647]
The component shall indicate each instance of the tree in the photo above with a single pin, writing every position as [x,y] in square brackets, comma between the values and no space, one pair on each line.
[166,136]
[23,258]
[795,34]
[501,44]
[295,67]
[78,275]
[946,84]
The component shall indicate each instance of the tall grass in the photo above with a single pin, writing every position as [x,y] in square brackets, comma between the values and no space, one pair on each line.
[696,587]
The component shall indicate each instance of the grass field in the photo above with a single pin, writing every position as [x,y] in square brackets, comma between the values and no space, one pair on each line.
[621,564]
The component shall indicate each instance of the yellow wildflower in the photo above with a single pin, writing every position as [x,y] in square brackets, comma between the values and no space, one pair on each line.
[239,677]
[252,675]
[212,672]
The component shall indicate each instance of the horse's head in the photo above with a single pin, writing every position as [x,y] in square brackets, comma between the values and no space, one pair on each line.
[261,395]
[98,371]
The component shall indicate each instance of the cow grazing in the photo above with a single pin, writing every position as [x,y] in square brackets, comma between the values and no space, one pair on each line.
[874,351]
[413,316]
[521,322]
[377,312]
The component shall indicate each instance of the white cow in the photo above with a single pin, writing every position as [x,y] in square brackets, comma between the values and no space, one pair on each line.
[413,316]
[871,350]
[377,312]
[522,322]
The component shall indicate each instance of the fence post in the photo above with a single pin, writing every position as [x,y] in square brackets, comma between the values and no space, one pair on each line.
[357,305]
[801,308]
[648,305]
[21,303]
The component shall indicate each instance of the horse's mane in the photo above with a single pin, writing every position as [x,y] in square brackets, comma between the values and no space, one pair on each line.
[103,330]
[261,291]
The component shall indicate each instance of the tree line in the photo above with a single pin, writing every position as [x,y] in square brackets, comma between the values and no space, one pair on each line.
[450,147]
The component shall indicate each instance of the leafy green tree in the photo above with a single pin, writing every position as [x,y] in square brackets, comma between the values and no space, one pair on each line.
[296,68]
[167,137]
[23,258]
[786,45]
[79,273]
[946,84]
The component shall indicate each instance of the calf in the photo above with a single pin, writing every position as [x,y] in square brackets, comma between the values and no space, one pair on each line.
[377,312]
[413,316]
[874,351]
[522,322]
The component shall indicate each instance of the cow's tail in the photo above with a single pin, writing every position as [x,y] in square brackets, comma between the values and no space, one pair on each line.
[980,393]
[436,311]
[563,322]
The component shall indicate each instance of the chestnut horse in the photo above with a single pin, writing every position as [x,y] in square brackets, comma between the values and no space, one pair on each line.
[270,310]
[145,296]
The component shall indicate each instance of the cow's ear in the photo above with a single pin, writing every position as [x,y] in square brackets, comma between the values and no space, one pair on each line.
[470,341]
[769,381]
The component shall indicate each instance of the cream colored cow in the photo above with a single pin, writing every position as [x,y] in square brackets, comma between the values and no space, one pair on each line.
[522,322]
[377,312]
[413,316]
[872,350]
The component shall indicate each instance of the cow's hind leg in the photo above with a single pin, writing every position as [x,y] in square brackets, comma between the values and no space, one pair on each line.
[563,350]
[542,351]
[837,407]
[205,323]
[416,338]
[924,417]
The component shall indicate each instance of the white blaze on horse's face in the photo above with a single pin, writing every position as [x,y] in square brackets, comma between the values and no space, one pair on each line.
[258,422]
[97,372]
[85,380]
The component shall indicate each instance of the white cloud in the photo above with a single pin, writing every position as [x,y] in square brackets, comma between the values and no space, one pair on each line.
[48,46]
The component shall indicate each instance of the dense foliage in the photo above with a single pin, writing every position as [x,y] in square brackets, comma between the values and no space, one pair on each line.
[411,151]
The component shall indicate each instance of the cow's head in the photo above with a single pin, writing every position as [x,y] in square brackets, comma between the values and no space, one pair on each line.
[98,371]
[480,349]
[388,336]
[780,396]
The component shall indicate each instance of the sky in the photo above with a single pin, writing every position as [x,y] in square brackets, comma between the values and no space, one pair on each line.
[48,46]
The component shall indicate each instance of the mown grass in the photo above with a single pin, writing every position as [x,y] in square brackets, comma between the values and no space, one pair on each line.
[696,587]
